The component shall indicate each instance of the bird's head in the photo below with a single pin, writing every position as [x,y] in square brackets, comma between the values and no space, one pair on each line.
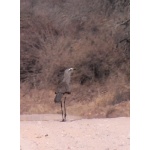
[69,70]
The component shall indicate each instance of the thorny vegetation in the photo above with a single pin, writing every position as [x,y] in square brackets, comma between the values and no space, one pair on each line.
[91,36]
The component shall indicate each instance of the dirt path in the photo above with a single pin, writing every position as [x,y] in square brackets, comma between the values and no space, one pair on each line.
[46,132]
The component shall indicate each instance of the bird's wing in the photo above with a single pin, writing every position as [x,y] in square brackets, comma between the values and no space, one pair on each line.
[63,88]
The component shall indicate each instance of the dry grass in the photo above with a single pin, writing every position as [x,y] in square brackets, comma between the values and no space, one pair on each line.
[93,37]
[106,103]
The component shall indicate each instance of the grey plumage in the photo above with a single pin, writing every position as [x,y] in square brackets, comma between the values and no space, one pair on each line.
[64,88]
[58,97]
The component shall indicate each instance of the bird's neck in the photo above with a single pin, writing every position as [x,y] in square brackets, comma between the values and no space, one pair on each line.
[66,79]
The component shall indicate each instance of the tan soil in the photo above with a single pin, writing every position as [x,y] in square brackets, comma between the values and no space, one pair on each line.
[46,132]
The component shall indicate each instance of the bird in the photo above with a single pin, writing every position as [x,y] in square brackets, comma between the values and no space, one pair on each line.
[63,89]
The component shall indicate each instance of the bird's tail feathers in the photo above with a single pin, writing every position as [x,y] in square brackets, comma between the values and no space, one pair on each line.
[58,97]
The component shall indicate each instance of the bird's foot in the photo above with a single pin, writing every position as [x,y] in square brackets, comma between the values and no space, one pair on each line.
[63,120]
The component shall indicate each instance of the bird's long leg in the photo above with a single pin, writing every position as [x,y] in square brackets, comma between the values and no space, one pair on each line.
[65,109]
[62,111]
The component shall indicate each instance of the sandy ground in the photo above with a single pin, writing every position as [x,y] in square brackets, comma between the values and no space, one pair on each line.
[46,132]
